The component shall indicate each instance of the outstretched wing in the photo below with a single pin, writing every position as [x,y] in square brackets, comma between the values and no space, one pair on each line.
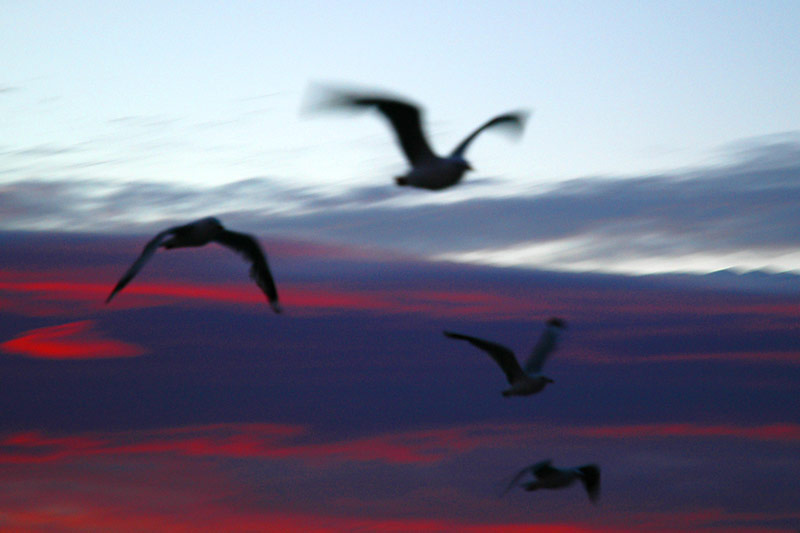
[514,121]
[259,270]
[537,469]
[404,117]
[502,355]
[149,249]
[515,480]
[544,347]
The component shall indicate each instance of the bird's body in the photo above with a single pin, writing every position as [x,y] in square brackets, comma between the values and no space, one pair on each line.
[428,170]
[200,233]
[197,233]
[527,379]
[526,385]
[546,476]
[435,174]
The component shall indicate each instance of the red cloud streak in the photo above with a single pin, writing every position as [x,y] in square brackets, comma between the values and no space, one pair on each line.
[277,441]
[48,293]
[152,480]
[89,516]
[299,297]
[181,497]
[74,340]
[788,432]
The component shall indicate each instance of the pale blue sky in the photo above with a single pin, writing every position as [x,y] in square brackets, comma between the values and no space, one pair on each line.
[208,93]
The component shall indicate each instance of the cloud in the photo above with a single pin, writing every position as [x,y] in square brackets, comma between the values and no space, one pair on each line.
[74,340]
[42,150]
[59,297]
[285,441]
[268,441]
[737,214]
[755,357]
[360,326]
[788,432]
[239,477]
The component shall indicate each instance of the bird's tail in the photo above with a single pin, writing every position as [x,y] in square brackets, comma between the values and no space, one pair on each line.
[401,180]
[591,480]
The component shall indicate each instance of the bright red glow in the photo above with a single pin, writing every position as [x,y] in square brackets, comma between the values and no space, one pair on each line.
[51,292]
[47,297]
[74,340]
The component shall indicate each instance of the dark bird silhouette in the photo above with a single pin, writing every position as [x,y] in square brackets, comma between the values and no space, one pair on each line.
[428,170]
[200,233]
[549,477]
[524,380]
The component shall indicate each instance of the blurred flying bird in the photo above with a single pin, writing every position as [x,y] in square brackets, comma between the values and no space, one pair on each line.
[428,170]
[200,233]
[549,477]
[527,379]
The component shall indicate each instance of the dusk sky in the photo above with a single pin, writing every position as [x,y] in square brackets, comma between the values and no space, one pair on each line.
[652,202]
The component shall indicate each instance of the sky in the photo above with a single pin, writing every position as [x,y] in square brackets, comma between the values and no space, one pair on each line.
[652,202]
[138,115]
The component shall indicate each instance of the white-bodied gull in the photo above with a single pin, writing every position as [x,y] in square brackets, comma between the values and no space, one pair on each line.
[200,233]
[549,477]
[428,170]
[527,379]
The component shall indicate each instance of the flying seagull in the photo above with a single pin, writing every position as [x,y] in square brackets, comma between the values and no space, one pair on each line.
[428,170]
[549,477]
[200,233]
[524,380]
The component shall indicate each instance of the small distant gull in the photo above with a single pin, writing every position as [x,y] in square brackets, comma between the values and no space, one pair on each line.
[549,477]
[524,380]
[200,233]
[428,170]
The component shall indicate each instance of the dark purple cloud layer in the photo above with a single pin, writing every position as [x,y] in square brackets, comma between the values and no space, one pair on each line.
[681,388]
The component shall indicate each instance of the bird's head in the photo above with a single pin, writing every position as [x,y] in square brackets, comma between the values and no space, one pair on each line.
[208,223]
[461,163]
[557,322]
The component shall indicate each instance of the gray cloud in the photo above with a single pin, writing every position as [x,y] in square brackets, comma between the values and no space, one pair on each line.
[42,150]
[750,206]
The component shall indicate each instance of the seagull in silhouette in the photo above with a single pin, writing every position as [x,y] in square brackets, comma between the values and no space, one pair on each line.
[200,233]
[524,380]
[428,170]
[549,477]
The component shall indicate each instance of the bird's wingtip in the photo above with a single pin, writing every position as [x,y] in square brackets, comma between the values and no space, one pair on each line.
[324,97]
[276,307]
[321,97]
[524,114]
[514,121]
